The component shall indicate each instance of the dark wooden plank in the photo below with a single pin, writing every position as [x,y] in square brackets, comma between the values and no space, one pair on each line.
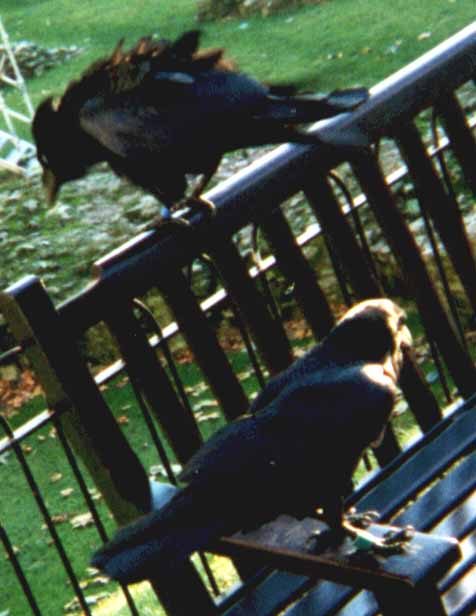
[442,497]
[271,596]
[465,563]
[417,444]
[442,209]
[461,599]
[337,227]
[422,468]
[284,543]
[328,598]
[462,139]
[151,380]
[267,331]
[203,343]
[460,522]
[403,243]
[299,272]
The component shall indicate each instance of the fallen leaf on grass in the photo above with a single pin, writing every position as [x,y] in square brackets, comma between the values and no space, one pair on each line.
[66,492]
[423,36]
[204,404]
[159,469]
[196,390]
[74,605]
[16,550]
[4,460]
[14,394]
[201,416]
[97,580]
[245,374]
[184,356]
[56,519]
[123,420]
[82,520]
[122,383]
[55,477]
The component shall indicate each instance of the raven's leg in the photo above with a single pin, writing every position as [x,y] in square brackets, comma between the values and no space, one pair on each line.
[332,513]
[355,526]
[196,200]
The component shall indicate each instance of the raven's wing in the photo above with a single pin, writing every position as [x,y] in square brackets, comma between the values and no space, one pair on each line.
[303,424]
[168,110]
[230,449]
[332,416]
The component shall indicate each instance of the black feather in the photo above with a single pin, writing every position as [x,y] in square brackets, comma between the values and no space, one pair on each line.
[163,109]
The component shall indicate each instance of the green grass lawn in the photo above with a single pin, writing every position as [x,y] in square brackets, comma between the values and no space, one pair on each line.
[336,44]
[333,44]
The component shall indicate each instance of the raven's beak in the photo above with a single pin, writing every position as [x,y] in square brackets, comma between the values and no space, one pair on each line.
[406,339]
[393,363]
[51,186]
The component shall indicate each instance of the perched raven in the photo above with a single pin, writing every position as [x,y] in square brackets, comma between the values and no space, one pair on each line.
[297,452]
[163,110]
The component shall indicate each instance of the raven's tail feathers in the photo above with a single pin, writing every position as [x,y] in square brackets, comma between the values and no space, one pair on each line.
[286,111]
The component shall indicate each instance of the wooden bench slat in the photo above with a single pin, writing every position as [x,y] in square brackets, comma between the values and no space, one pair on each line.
[461,599]
[442,498]
[271,596]
[459,569]
[417,472]
[327,597]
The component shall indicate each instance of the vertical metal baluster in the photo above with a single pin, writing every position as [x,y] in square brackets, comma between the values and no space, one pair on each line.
[12,557]
[243,331]
[89,501]
[35,490]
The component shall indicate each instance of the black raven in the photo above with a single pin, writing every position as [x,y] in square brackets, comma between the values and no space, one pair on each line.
[313,422]
[165,109]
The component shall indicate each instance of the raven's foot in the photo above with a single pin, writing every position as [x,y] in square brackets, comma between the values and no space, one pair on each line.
[327,539]
[393,542]
[163,224]
[361,519]
[197,203]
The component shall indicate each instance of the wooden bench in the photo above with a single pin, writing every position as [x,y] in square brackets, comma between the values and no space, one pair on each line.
[429,484]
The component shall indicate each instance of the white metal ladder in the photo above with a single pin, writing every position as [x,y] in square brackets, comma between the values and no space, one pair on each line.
[13,149]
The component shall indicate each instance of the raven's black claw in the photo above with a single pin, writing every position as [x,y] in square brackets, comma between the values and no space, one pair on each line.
[362,519]
[159,223]
[199,203]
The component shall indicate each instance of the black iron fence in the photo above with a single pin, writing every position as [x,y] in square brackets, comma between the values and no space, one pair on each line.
[393,219]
